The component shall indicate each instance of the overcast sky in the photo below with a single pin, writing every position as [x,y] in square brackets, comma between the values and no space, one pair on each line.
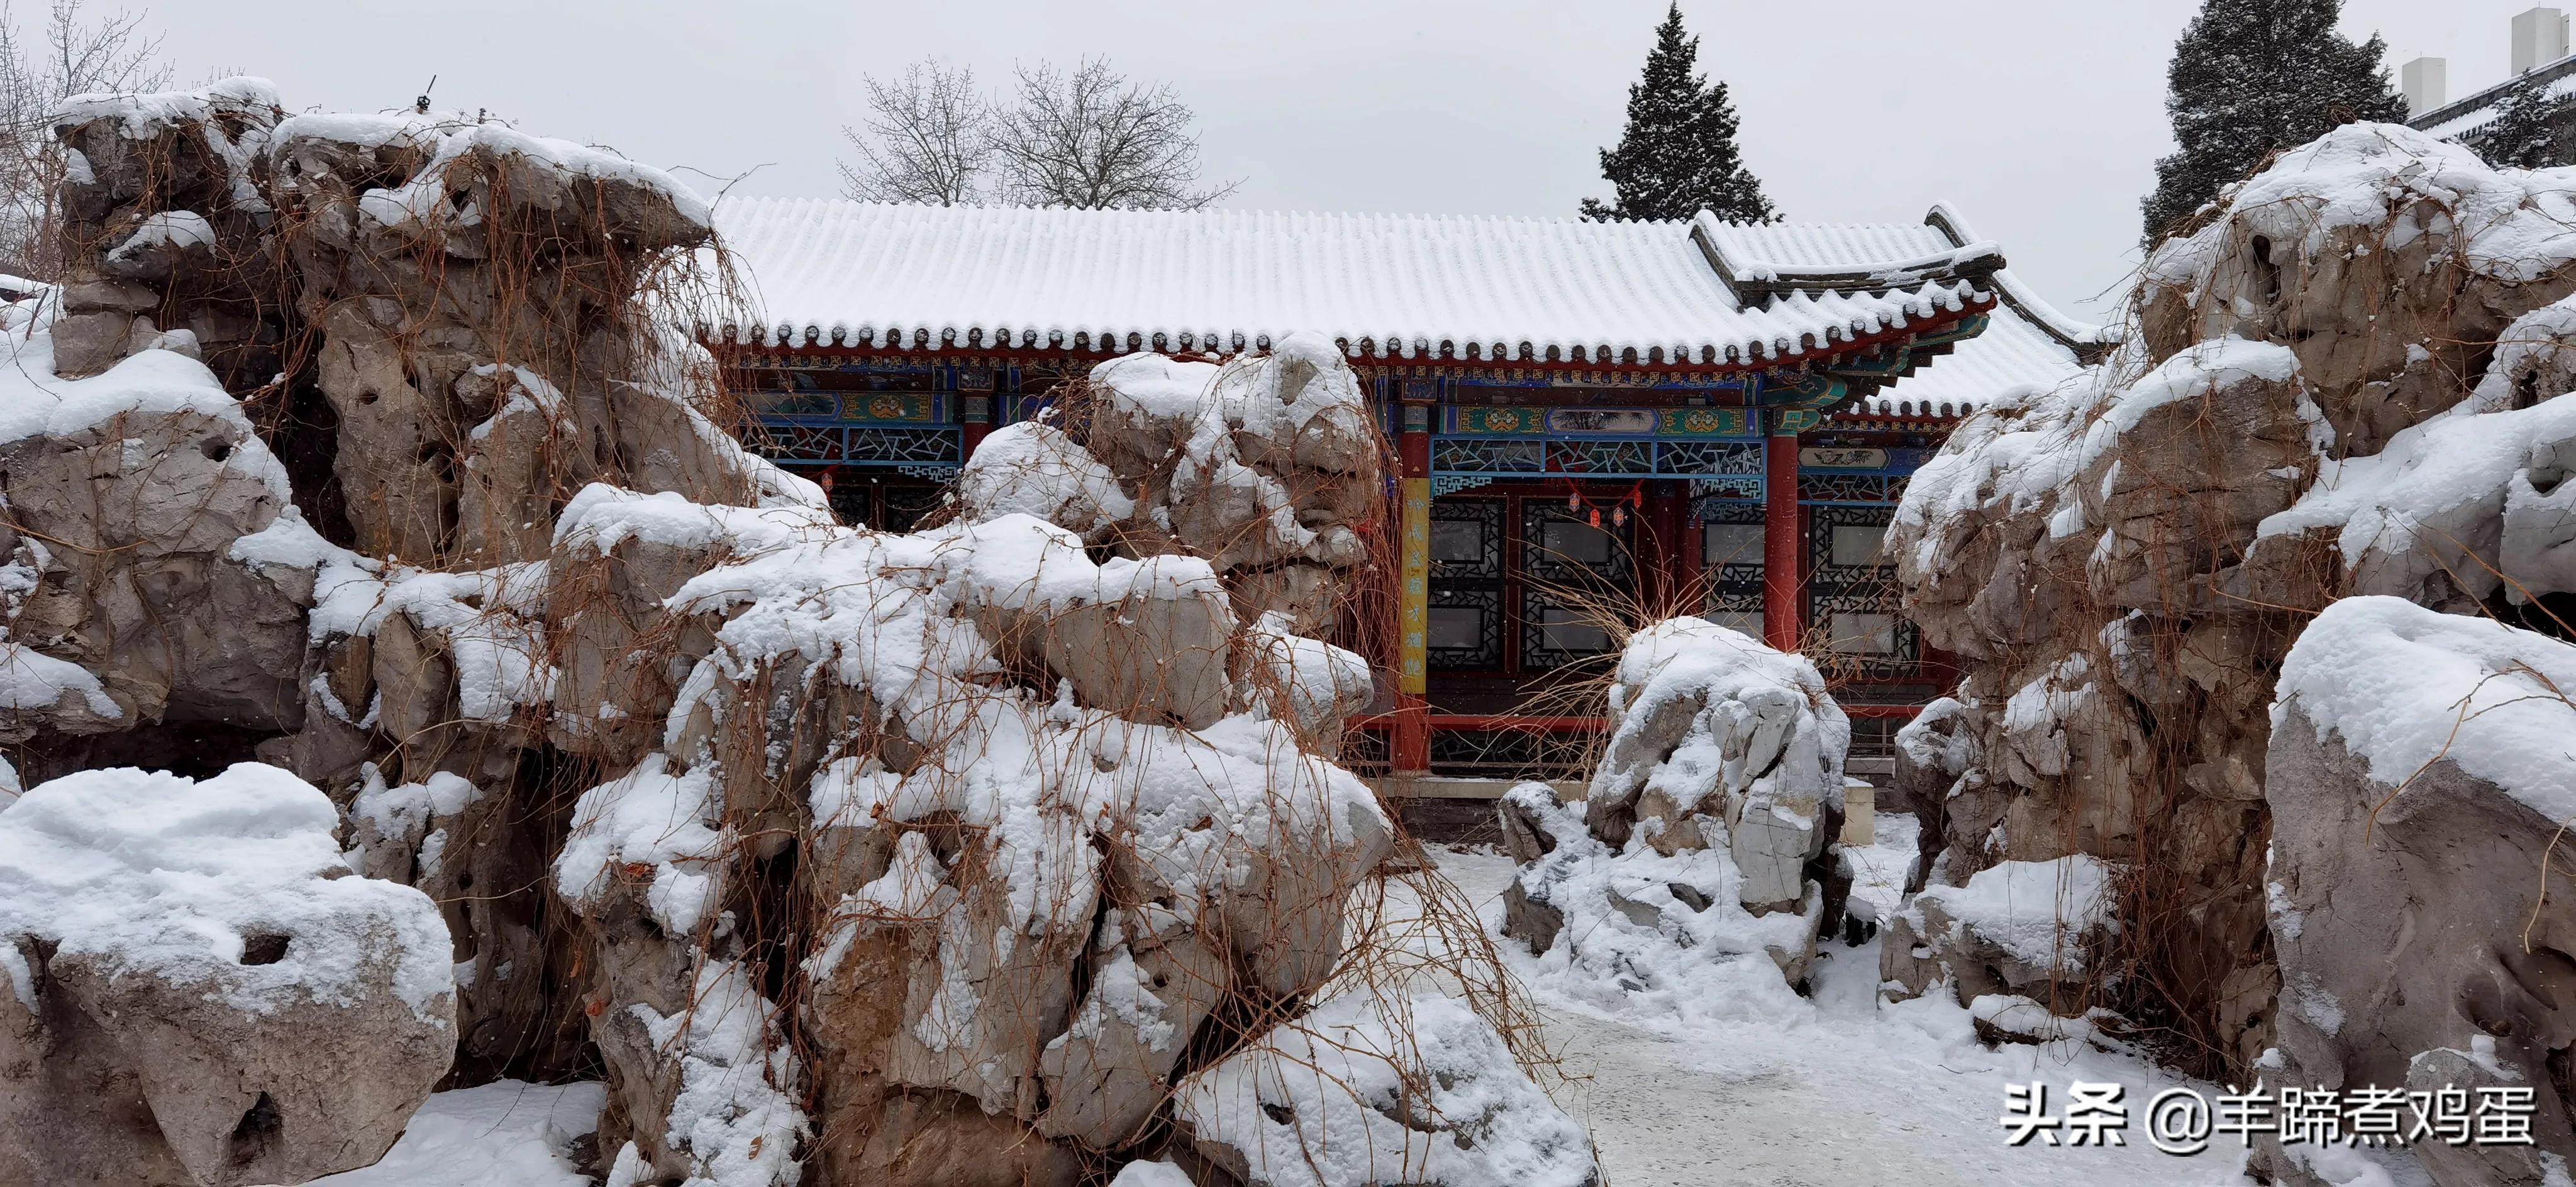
[2040,119]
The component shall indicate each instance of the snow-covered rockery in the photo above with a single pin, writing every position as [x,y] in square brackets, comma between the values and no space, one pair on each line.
[171,951]
[998,853]
[1267,466]
[2420,777]
[1690,871]
[2346,380]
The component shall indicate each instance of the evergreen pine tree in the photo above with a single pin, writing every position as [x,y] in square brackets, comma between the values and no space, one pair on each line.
[2250,77]
[1678,153]
[2531,128]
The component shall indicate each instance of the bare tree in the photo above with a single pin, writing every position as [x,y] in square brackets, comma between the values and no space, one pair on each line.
[1095,141]
[928,138]
[75,54]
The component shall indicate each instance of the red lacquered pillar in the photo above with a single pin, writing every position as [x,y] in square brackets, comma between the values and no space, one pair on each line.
[975,416]
[1783,612]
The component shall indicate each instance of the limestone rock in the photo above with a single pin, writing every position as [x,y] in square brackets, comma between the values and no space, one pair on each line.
[2405,887]
[203,997]
[930,858]
[1263,465]
[1722,777]
[2018,928]
[2339,384]
[1418,1091]
[126,520]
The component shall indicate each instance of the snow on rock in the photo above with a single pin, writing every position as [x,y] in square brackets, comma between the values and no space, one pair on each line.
[1017,806]
[1685,873]
[504,1132]
[601,517]
[2017,929]
[201,940]
[1880,871]
[732,1121]
[145,473]
[1157,1173]
[1307,681]
[649,825]
[1364,1091]
[160,189]
[1267,465]
[2342,381]
[2030,909]
[2418,771]
[2401,687]
[1032,468]
[977,838]
[1935,752]
[618,556]
[406,232]
[2450,512]
[402,830]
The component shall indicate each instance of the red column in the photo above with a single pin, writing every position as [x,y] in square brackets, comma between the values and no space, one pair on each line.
[1667,575]
[976,419]
[1410,749]
[1783,544]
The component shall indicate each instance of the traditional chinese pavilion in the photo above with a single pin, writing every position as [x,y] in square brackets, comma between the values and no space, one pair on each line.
[1673,413]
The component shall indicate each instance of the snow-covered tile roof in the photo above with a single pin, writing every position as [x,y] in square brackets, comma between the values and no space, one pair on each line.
[2465,115]
[828,271]
[2010,353]
[2026,342]
[1830,245]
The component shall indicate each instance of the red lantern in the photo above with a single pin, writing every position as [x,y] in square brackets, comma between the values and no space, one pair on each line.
[1596,517]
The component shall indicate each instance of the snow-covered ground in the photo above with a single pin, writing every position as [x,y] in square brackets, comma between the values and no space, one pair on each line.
[503,1134]
[1857,1095]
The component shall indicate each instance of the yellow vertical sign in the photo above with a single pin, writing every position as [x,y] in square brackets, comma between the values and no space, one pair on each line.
[1413,616]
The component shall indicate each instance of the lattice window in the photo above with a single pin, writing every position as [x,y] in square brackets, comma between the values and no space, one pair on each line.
[1465,630]
[1556,630]
[1465,627]
[1468,455]
[888,446]
[1711,458]
[1851,488]
[905,505]
[1563,547]
[1574,572]
[1467,539]
[1731,543]
[1601,457]
[799,444]
[1852,595]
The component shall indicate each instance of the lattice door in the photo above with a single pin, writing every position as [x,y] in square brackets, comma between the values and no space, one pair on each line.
[1852,595]
[1467,579]
[1572,575]
[1731,554]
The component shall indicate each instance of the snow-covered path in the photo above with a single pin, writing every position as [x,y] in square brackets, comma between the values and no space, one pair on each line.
[1854,1097]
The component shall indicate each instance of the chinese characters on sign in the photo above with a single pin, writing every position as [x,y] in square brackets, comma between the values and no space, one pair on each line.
[1413,616]
[2184,1121]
